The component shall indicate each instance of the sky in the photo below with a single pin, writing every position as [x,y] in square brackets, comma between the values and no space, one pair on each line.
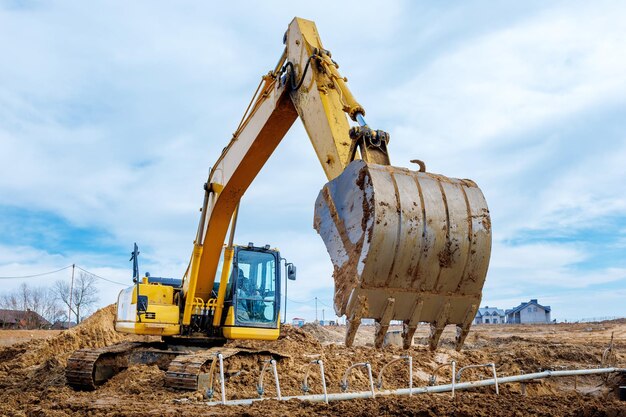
[111,114]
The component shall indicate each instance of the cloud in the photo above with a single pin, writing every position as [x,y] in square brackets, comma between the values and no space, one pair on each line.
[112,113]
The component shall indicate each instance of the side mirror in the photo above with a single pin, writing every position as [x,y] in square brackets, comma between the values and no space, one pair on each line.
[291,272]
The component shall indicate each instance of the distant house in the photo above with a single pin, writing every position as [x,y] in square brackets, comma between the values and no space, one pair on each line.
[297,322]
[490,315]
[21,319]
[530,312]
[62,325]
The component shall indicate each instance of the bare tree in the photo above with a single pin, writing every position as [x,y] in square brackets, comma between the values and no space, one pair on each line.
[40,300]
[44,302]
[84,294]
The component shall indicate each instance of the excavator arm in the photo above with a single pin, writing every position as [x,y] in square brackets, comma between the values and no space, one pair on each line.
[405,245]
[305,83]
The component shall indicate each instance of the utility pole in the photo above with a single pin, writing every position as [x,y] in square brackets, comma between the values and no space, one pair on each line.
[316,321]
[69,312]
[323,320]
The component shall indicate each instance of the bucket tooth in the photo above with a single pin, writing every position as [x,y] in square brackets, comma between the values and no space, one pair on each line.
[352,327]
[461,334]
[410,326]
[463,329]
[382,324]
[435,335]
[408,332]
[419,238]
[438,326]
[355,309]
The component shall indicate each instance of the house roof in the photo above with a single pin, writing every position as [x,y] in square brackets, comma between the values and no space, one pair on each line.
[297,318]
[63,324]
[531,302]
[489,311]
[15,316]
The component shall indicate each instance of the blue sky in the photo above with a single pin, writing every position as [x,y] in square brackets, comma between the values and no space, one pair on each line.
[111,114]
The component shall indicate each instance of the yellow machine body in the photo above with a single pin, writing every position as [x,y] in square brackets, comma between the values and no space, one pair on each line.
[161,318]
[232,331]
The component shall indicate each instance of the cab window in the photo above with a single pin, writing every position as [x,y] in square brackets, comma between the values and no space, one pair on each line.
[255,298]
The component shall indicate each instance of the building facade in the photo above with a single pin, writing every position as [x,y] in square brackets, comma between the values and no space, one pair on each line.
[490,315]
[22,319]
[529,312]
[297,322]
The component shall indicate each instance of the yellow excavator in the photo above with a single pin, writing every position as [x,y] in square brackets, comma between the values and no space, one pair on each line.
[405,245]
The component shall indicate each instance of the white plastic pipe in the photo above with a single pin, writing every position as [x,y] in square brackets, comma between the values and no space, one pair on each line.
[435,389]
[222,384]
[305,384]
[369,374]
[495,378]
[453,378]
[410,375]
[321,363]
[273,362]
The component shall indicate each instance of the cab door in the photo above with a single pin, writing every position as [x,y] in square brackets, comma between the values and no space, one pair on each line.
[255,305]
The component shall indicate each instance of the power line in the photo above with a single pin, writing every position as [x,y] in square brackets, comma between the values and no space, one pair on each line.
[300,302]
[98,276]
[312,300]
[37,275]
[62,269]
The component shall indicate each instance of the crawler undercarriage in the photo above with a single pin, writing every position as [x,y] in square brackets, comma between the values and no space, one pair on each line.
[187,367]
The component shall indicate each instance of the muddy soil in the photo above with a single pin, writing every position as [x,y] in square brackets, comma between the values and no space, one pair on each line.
[32,381]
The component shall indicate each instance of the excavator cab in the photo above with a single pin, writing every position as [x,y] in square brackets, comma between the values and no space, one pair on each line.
[253,294]
[251,303]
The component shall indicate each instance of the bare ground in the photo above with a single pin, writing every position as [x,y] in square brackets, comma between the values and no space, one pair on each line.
[10,337]
[32,381]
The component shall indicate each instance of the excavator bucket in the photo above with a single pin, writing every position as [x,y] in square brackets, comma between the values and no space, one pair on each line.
[405,245]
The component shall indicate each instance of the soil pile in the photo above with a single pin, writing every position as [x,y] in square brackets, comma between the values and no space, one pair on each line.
[41,363]
[324,334]
[32,381]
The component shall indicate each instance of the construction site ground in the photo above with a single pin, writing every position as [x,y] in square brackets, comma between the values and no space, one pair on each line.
[32,381]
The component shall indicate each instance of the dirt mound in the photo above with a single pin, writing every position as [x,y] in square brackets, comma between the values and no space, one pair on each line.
[323,334]
[136,380]
[32,381]
[42,362]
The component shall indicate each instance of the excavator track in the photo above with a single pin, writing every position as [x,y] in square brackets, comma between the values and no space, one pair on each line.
[186,372]
[82,371]
[88,368]
[186,368]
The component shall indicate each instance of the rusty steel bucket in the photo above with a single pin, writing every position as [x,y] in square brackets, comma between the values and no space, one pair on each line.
[405,245]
